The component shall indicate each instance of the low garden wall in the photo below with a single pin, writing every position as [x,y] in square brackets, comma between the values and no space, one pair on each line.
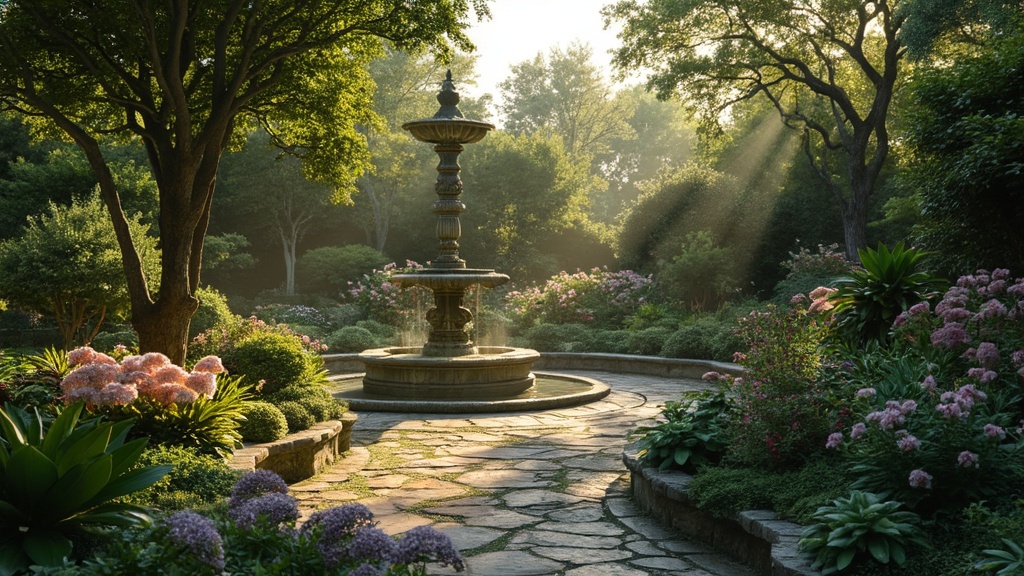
[624,363]
[300,455]
[756,537]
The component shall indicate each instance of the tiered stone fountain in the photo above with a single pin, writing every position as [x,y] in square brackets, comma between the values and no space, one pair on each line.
[450,373]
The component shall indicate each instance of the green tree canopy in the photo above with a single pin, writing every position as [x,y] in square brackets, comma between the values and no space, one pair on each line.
[188,77]
[522,194]
[564,94]
[68,265]
[829,68]
[968,169]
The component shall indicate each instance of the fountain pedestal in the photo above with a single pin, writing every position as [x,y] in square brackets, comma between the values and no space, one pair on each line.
[449,366]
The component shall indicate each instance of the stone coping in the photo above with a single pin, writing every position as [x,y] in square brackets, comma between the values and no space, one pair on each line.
[757,537]
[621,363]
[300,455]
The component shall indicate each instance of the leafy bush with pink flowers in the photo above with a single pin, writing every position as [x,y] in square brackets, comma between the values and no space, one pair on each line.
[788,405]
[942,424]
[387,303]
[171,406]
[600,297]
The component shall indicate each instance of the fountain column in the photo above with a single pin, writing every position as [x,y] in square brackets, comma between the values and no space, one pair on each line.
[447,275]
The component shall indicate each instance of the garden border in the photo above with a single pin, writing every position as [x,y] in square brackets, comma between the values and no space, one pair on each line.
[628,363]
[300,455]
[759,538]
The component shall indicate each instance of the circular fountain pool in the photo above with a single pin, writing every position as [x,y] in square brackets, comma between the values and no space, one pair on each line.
[548,391]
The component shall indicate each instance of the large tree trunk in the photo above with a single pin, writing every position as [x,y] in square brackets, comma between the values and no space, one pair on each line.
[163,327]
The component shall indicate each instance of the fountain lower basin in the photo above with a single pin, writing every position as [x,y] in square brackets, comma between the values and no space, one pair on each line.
[498,379]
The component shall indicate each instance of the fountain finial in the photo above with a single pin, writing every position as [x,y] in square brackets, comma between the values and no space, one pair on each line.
[448,98]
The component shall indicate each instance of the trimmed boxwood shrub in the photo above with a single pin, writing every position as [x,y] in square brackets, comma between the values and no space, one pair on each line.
[263,422]
[213,311]
[703,337]
[351,339]
[381,331]
[277,359]
[298,417]
[558,337]
[313,398]
[648,342]
[609,341]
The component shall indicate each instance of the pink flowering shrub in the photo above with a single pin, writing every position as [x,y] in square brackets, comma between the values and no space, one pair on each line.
[387,303]
[788,408]
[597,298]
[979,324]
[99,380]
[170,405]
[943,447]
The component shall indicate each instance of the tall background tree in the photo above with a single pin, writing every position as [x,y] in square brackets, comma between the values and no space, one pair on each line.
[185,78]
[829,68]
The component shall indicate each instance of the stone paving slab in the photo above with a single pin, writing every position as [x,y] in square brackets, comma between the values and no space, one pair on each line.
[522,494]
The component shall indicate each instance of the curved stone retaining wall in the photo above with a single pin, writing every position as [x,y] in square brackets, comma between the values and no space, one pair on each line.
[625,363]
[757,537]
[300,455]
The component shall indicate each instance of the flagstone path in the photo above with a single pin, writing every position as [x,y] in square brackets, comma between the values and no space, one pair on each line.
[521,494]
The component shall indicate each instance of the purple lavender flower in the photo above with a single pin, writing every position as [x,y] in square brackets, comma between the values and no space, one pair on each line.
[256,484]
[993,431]
[929,383]
[199,535]
[920,479]
[967,459]
[334,527]
[858,430]
[993,309]
[866,393]
[834,440]
[424,543]
[1017,358]
[272,508]
[371,544]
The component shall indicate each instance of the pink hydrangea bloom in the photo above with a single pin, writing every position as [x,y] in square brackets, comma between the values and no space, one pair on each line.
[952,335]
[996,432]
[834,440]
[86,394]
[101,358]
[209,364]
[988,355]
[79,356]
[152,362]
[920,479]
[908,443]
[116,394]
[967,459]
[170,374]
[89,375]
[919,308]
[204,383]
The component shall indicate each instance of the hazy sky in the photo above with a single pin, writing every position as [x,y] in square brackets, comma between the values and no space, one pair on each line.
[519,29]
